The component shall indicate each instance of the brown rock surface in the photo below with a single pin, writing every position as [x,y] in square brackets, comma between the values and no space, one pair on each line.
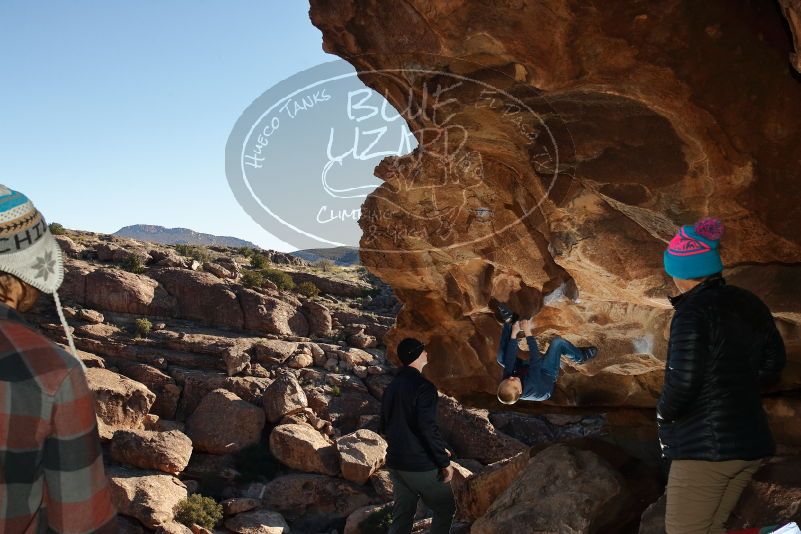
[319,318]
[284,397]
[162,385]
[600,128]
[200,296]
[116,290]
[309,501]
[163,451]
[561,490]
[145,495]
[119,401]
[270,315]
[301,447]
[258,522]
[345,409]
[361,454]
[471,434]
[475,494]
[224,423]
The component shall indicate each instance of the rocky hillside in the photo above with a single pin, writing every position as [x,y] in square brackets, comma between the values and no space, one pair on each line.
[230,384]
[338,255]
[173,236]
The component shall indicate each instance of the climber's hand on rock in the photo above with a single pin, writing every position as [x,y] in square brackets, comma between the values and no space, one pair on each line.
[527,326]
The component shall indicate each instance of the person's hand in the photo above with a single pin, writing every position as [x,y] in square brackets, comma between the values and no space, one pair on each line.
[527,326]
[515,329]
[446,474]
[449,453]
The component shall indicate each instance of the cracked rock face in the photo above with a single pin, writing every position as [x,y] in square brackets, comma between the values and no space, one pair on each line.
[561,143]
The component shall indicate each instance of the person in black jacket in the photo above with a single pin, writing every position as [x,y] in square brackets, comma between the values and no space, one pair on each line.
[417,456]
[723,346]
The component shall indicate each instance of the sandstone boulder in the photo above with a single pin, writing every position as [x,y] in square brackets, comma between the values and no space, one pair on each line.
[269,315]
[237,505]
[310,502]
[300,360]
[562,489]
[201,297]
[224,423]
[382,484]
[119,291]
[162,451]
[475,493]
[119,401]
[273,351]
[345,408]
[653,519]
[471,434]
[173,527]
[258,522]
[90,316]
[362,453]
[162,385]
[198,383]
[356,520]
[318,317]
[283,397]
[145,495]
[303,448]
[69,246]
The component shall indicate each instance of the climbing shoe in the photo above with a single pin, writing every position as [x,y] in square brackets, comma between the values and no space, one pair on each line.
[507,315]
[588,353]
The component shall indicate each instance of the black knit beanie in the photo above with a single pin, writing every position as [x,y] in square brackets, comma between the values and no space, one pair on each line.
[409,350]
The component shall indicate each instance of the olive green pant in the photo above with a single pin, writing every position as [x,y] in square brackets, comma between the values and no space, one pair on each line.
[411,486]
[701,495]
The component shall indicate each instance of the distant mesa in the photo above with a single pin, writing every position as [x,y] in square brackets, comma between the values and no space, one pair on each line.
[179,236]
[339,255]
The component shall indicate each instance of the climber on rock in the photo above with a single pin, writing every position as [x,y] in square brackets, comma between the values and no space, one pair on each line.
[533,379]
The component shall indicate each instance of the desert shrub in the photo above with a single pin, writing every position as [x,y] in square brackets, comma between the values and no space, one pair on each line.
[308,289]
[199,510]
[281,279]
[256,464]
[335,391]
[372,292]
[191,251]
[133,264]
[325,265]
[57,229]
[245,251]
[378,522]
[259,261]
[143,327]
[252,279]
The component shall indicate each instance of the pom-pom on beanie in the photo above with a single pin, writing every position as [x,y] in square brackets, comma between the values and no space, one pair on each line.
[29,251]
[693,251]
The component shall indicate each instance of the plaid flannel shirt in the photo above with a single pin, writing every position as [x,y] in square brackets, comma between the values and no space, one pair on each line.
[51,467]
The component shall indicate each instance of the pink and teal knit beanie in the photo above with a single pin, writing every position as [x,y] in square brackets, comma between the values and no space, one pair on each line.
[28,250]
[693,251]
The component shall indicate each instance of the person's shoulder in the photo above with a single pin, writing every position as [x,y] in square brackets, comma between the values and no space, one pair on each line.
[28,356]
[740,296]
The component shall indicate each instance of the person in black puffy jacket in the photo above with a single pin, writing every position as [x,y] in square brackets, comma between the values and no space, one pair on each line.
[724,345]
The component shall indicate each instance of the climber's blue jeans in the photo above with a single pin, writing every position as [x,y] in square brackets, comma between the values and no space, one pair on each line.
[543,369]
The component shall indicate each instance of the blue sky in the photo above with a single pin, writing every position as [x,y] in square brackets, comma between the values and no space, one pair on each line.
[115,113]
